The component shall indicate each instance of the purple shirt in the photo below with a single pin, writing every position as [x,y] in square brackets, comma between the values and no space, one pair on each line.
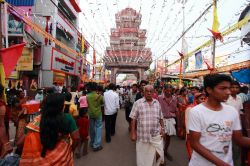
[168,106]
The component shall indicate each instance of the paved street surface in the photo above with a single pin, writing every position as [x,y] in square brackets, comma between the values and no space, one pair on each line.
[121,151]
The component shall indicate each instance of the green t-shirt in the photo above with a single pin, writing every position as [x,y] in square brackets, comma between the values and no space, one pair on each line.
[95,102]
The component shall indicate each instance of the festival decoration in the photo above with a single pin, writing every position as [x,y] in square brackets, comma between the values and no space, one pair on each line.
[228,31]
[42,32]
[216,24]
[10,57]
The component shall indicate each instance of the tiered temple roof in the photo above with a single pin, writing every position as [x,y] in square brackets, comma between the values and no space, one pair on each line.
[127,41]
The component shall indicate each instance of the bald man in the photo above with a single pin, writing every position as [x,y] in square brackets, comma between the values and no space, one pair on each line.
[147,115]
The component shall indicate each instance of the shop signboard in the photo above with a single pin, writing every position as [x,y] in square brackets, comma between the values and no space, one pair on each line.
[14,27]
[78,68]
[62,62]
[25,62]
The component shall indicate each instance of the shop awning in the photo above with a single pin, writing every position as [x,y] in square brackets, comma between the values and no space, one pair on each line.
[75,5]
[242,76]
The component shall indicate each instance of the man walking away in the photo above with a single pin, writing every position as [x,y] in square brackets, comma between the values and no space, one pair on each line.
[111,106]
[213,125]
[95,102]
[146,113]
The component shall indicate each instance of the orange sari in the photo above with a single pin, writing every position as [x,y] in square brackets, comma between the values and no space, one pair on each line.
[61,155]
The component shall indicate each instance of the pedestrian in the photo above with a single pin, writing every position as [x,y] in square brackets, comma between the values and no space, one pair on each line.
[21,118]
[51,137]
[192,93]
[83,125]
[39,95]
[70,107]
[75,97]
[235,101]
[55,87]
[130,102]
[169,108]
[182,103]
[83,101]
[198,98]
[213,125]
[95,102]
[140,94]
[244,94]
[5,146]
[111,107]
[147,115]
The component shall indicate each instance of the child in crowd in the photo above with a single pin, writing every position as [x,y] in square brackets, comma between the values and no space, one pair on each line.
[83,125]
[83,101]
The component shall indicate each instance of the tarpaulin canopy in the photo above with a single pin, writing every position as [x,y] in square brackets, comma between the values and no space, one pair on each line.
[242,76]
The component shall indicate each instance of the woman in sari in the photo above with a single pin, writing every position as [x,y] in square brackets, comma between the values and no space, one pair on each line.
[182,103]
[198,98]
[5,146]
[52,137]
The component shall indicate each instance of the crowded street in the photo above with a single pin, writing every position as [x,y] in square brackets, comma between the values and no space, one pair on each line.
[122,150]
[124,83]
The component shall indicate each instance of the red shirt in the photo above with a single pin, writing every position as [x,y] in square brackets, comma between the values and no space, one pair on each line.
[83,124]
[168,106]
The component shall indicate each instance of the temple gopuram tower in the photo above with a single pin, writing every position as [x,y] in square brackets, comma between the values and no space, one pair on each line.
[127,52]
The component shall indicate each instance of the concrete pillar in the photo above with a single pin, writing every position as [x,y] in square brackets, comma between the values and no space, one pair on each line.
[113,75]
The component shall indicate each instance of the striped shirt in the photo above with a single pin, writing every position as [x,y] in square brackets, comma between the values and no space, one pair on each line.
[148,118]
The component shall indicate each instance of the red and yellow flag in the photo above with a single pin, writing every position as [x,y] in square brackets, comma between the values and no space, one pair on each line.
[215,28]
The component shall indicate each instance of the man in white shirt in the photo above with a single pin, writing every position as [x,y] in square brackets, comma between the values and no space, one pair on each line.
[111,106]
[235,101]
[214,125]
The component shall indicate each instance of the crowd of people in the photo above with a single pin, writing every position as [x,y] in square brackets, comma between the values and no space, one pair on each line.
[214,120]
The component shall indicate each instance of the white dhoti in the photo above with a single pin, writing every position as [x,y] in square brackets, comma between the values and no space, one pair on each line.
[146,152]
[169,126]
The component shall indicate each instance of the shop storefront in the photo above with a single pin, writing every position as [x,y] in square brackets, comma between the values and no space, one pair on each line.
[66,69]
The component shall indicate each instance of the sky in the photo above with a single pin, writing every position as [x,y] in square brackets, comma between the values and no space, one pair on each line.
[163,20]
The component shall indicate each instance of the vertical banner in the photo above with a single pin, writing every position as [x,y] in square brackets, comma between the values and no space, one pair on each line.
[198,60]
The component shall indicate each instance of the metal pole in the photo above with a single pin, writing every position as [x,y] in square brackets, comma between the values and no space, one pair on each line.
[1,42]
[213,52]
[214,44]
[180,82]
